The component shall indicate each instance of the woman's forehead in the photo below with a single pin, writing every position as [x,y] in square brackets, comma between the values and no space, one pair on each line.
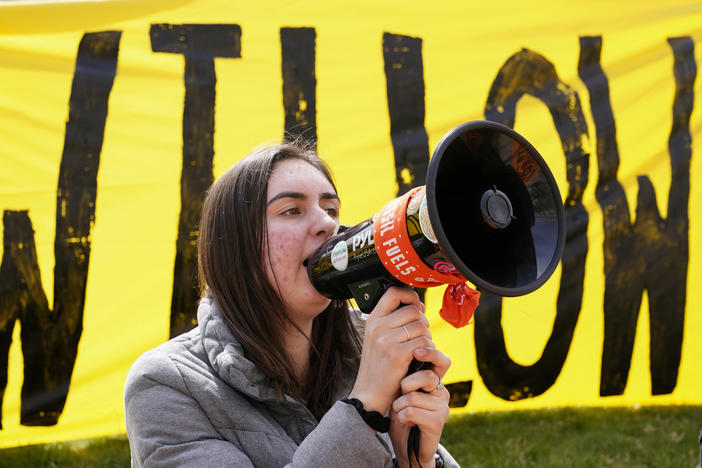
[297,174]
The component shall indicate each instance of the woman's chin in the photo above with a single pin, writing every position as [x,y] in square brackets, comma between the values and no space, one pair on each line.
[310,303]
[323,301]
[316,296]
[320,303]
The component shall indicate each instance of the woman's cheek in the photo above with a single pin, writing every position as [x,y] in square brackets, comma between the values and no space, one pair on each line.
[282,254]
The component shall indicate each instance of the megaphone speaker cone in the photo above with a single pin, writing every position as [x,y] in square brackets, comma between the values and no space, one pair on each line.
[495,208]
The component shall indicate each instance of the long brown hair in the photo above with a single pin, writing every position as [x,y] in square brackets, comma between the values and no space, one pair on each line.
[232,271]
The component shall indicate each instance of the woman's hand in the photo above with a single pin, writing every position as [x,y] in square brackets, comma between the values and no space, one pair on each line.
[394,330]
[427,409]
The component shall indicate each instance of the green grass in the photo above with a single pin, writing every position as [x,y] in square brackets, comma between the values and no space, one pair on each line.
[571,437]
[578,437]
[108,452]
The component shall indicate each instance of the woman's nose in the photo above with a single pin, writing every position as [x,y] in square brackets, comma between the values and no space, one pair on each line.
[326,225]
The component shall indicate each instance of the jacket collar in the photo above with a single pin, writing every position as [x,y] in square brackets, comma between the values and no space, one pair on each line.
[226,355]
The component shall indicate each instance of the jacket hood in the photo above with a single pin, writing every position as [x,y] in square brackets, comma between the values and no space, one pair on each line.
[226,355]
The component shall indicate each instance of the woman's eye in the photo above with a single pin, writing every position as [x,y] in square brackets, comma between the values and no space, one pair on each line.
[333,212]
[291,211]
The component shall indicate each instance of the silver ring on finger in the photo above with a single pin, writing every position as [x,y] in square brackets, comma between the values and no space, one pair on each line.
[404,327]
[438,387]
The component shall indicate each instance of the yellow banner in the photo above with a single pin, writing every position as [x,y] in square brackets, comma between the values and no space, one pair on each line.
[116,115]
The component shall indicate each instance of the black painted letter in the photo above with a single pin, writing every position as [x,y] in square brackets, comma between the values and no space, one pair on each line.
[50,336]
[200,44]
[527,72]
[299,83]
[652,253]
[404,73]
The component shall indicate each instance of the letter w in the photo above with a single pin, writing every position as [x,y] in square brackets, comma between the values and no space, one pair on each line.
[50,336]
[652,253]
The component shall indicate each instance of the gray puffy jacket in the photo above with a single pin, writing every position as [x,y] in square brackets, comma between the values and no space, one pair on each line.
[197,401]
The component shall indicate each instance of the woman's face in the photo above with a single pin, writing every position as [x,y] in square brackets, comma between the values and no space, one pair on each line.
[302,212]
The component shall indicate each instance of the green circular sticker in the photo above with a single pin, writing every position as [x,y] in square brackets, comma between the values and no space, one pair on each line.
[340,256]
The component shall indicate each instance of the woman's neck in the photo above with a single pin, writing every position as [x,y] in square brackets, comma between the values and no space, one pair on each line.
[297,346]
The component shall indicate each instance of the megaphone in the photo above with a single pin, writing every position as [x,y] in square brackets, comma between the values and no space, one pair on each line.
[490,214]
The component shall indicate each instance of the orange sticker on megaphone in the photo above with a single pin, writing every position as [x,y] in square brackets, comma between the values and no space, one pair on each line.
[395,250]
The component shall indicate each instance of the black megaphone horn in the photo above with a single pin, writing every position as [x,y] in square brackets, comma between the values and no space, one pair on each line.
[490,213]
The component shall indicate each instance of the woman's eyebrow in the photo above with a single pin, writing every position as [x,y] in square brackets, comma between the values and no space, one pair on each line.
[278,196]
[329,196]
[302,196]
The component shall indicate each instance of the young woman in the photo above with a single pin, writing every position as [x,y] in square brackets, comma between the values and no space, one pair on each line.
[275,374]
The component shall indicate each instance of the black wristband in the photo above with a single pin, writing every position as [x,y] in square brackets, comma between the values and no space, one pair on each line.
[374,419]
[438,461]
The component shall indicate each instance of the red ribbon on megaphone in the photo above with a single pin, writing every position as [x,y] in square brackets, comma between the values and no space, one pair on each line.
[394,247]
[458,304]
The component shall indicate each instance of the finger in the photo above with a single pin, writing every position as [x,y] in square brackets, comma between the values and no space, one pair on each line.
[408,347]
[394,298]
[430,421]
[432,401]
[410,316]
[439,361]
[406,325]
[411,330]
[405,315]
[426,380]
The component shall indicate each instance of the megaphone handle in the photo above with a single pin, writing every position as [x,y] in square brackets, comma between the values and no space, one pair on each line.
[367,293]
[413,437]
[416,366]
